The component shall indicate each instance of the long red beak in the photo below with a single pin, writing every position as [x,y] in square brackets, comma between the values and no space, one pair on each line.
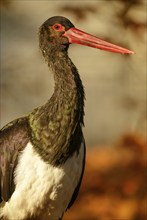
[77,36]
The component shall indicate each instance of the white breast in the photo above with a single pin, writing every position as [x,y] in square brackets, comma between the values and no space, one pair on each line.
[42,188]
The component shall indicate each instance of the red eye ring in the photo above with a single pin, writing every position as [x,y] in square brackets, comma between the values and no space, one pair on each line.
[58,27]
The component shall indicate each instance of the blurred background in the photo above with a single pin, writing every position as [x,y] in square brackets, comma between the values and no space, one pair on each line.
[115,85]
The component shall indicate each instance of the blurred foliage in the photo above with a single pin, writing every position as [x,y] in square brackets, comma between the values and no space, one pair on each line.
[125,18]
[4,3]
[80,12]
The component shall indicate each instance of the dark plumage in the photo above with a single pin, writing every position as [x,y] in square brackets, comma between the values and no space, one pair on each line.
[43,153]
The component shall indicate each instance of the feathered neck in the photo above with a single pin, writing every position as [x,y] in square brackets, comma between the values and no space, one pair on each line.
[55,123]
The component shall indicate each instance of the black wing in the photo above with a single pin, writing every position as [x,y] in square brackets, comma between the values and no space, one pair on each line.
[13,138]
[76,191]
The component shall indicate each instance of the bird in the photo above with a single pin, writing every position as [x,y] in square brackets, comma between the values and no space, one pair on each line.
[42,154]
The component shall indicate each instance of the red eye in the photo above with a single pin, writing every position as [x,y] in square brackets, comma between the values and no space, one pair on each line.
[58,27]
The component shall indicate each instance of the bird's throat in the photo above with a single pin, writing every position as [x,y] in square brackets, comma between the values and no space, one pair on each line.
[55,124]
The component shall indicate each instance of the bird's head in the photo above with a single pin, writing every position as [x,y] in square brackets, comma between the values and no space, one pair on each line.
[58,32]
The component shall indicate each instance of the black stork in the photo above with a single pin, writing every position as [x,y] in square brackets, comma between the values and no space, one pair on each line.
[42,154]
